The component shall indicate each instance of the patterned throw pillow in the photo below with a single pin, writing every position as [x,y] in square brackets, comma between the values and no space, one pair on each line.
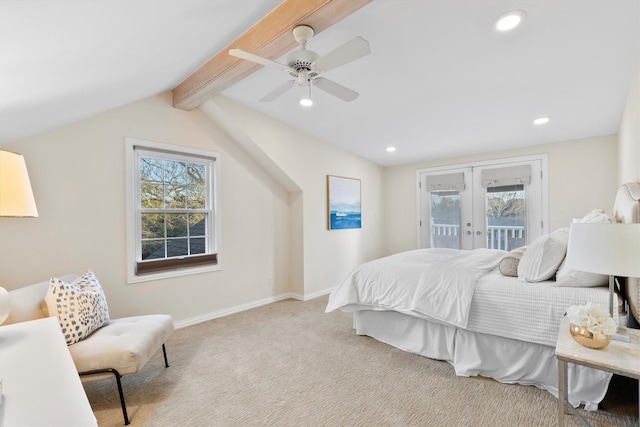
[509,263]
[80,306]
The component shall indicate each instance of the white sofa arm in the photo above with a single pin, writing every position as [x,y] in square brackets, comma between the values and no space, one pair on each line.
[27,303]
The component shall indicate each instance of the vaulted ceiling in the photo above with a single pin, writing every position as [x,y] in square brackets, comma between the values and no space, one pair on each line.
[439,81]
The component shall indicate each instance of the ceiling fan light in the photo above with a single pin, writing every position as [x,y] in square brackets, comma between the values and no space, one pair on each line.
[306,101]
[508,21]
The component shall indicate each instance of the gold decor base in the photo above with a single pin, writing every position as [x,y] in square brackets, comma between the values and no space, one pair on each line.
[586,338]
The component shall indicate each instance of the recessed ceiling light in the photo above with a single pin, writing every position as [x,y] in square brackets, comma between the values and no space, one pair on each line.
[391,149]
[508,21]
[541,120]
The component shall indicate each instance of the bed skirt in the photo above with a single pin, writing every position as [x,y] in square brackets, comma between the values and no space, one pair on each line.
[472,353]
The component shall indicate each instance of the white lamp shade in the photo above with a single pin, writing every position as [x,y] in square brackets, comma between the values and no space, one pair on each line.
[605,248]
[16,197]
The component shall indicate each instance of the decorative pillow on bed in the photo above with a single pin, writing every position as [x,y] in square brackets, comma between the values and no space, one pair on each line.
[543,256]
[596,215]
[80,306]
[509,263]
[576,278]
[579,279]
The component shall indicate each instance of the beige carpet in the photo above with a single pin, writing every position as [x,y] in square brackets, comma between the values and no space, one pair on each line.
[289,364]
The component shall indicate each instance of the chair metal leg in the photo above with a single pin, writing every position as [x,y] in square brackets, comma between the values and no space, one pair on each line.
[164,351]
[117,375]
[120,392]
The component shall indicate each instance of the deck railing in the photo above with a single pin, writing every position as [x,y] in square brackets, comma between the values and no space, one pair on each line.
[505,237]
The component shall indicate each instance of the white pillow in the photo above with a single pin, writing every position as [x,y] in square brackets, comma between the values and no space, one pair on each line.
[579,279]
[80,306]
[543,256]
[596,215]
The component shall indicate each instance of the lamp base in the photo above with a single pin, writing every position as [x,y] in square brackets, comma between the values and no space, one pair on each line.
[621,334]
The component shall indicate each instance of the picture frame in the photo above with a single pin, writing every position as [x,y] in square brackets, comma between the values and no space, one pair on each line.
[344,210]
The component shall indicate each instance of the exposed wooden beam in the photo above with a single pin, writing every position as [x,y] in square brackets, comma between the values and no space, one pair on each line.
[271,37]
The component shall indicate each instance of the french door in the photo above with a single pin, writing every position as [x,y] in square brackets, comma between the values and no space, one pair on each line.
[498,205]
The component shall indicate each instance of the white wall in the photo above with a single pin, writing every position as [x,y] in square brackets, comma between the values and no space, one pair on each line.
[629,135]
[581,177]
[327,255]
[78,177]
[268,229]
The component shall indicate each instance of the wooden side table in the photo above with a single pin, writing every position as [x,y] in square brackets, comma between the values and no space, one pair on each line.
[621,358]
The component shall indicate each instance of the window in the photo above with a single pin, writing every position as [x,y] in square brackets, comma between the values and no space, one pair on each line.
[497,204]
[173,224]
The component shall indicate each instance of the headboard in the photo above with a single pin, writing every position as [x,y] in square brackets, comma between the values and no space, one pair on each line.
[626,208]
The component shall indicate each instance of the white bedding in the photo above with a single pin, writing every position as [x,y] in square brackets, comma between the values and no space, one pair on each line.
[511,328]
[473,353]
[531,312]
[462,289]
[435,284]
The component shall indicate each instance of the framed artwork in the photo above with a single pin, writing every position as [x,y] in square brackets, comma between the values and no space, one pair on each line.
[343,197]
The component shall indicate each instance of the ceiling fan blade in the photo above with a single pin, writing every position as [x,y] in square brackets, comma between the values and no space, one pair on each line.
[335,89]
[277,91]
[350,51]
[239,53]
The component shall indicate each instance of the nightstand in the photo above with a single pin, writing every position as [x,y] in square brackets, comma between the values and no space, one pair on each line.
[621,358]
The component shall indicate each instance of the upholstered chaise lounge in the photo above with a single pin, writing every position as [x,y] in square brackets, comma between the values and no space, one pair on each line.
[121,347]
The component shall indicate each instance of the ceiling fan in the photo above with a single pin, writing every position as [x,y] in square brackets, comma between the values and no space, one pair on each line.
[306,66]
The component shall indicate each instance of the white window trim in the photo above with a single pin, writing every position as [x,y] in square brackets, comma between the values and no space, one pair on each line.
[132,240]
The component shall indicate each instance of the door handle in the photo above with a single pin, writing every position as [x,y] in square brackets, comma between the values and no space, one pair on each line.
[469,233]
[478,233]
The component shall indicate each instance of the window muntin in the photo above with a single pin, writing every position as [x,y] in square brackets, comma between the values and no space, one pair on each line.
[174,211]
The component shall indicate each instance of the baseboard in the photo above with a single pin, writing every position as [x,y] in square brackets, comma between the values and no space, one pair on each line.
[317,294]
[248,306]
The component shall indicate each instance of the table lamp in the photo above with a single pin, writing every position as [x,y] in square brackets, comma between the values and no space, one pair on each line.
[16,197]
[16,200]
[612,249]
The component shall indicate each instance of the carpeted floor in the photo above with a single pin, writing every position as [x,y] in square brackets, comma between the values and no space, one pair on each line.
[290,364]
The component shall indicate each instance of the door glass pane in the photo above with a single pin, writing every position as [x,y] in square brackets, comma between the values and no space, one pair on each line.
[445,219]
[506,217]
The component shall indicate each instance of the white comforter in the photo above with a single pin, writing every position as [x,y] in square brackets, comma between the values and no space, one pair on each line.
[435,284]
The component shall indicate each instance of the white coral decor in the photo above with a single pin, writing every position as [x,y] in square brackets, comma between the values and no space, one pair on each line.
[594,317]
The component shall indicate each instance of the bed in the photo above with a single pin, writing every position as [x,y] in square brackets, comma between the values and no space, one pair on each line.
[460,307]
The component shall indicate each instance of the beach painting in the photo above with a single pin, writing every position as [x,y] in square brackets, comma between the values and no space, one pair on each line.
[343,196]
